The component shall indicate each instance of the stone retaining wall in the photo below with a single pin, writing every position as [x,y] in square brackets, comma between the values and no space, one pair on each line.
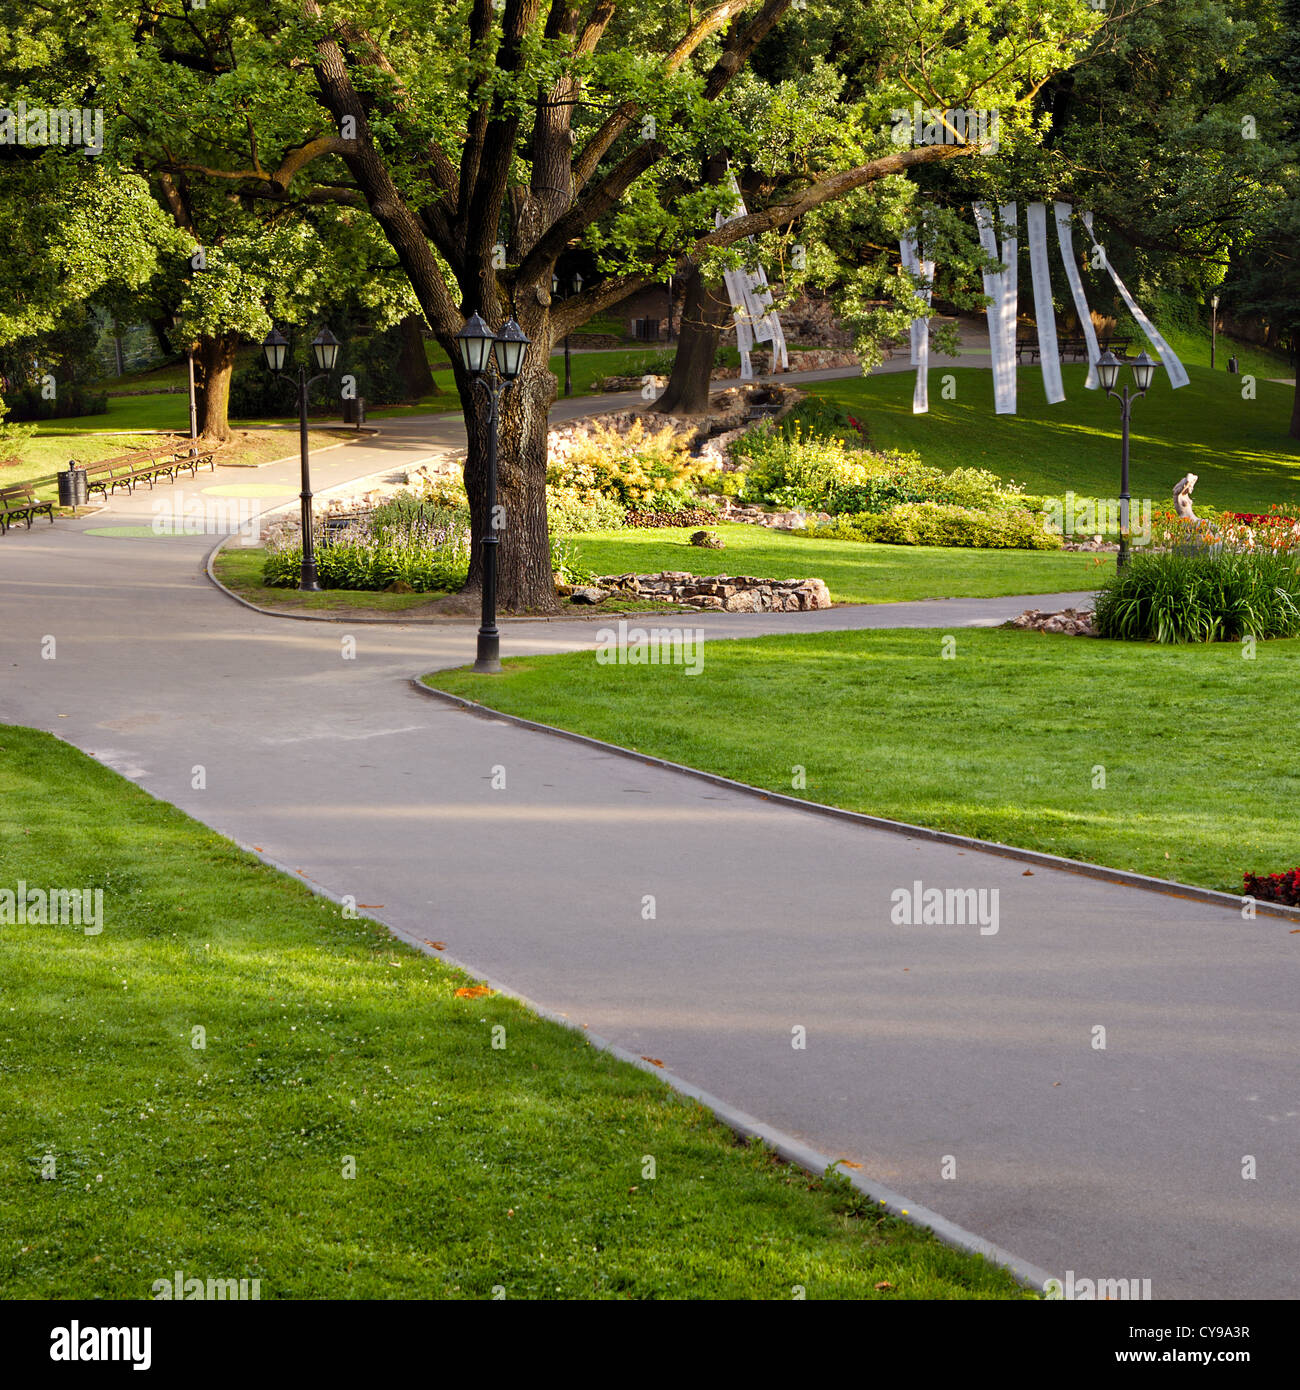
[732,594]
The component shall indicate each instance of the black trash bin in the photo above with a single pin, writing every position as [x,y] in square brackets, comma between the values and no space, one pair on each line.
[72,486]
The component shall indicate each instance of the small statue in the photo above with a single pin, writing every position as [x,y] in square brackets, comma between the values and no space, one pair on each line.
[1183,498]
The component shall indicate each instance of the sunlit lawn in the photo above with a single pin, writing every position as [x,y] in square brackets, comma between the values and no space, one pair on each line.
[854,573]
[1239,449]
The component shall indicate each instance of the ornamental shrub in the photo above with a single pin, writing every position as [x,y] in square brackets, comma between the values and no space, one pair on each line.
[1217,593]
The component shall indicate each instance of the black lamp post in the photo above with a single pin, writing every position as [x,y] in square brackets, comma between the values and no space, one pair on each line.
[568,369]
[1144,369]
[325,349]
[493,361]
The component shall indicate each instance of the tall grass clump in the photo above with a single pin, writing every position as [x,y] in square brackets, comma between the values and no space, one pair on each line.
[1214,594]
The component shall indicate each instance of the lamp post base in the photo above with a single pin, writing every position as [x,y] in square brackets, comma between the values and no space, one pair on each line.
[488,661]
[311,587]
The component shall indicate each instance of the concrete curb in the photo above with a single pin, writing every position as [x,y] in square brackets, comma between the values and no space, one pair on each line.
[792,1150]
[1170,888]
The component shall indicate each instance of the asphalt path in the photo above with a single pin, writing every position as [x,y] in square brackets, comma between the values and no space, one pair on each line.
[930,1049]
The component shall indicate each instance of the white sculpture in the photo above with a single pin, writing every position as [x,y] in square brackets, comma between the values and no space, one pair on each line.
[1183,498]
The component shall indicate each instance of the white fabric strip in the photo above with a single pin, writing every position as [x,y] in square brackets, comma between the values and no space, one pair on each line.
[1044,310]
[1010,302]
[751,303]
[1000,286]
[1066,237]
[1177,372]
[921,391]
[909,251]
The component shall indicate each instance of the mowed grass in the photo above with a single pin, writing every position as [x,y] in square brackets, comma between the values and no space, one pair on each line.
[1004,741]
[324,1039]
[1239,449]
[854,573]
[239,568]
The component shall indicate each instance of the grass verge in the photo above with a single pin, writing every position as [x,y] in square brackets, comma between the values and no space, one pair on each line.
[1007,741]
[324,1039]
[854,572]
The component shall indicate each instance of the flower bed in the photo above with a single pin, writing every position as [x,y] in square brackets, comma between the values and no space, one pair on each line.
[1273,888]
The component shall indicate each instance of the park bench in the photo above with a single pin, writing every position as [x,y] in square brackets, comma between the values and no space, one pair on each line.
[20,503]
[184,459]
[108,475]
[125,470]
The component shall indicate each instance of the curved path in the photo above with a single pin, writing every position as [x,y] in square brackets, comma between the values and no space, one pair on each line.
[929,1048]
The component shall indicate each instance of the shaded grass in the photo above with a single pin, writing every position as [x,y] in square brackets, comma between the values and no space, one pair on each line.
[325,1038]
[1239,449]
[854,572]
[1002,742]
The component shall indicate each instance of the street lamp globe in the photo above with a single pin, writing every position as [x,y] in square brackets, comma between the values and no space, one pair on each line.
[1143,370]
[475,340]
[275,346]
[510,345]
[1108,369]
[325,348]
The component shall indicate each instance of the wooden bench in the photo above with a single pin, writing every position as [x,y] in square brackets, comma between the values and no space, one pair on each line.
[126,470]
[108,475]
[20,503]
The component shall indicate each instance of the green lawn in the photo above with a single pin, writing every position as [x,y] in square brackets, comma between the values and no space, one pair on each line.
[324,1040]
[854,573]
[239,568]
[1000,742]
[1239,449]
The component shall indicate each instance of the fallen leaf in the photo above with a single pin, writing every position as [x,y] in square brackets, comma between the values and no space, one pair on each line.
[473,992]
[1028,873]
[1056,1083]
[847,1163]
[437,945]
[370,905]
[654,1061]
[884,1284]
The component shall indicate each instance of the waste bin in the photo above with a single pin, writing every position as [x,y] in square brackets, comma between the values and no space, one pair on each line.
[72,485]
[1232,364]
[354,411]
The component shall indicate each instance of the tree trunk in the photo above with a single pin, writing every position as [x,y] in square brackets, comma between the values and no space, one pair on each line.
[412,360]
[704,316]
[525,583]
[215,363]
[1295,407]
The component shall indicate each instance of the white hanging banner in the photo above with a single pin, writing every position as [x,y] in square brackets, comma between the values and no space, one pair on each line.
[1044,310]
[1001,288]
[921,391]
[751,305]
[1066,238]
[910,251]
[1177,372]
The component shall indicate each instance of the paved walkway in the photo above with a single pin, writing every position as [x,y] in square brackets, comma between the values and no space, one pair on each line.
[923,1042]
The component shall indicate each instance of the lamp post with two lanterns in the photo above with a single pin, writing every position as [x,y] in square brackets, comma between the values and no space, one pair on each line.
[493,361]
[1144,369]
[325,349]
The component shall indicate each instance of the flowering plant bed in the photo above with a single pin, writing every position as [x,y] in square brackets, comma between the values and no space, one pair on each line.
[1273,888]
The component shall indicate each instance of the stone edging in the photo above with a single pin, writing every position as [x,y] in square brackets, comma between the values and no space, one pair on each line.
[1168,887]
